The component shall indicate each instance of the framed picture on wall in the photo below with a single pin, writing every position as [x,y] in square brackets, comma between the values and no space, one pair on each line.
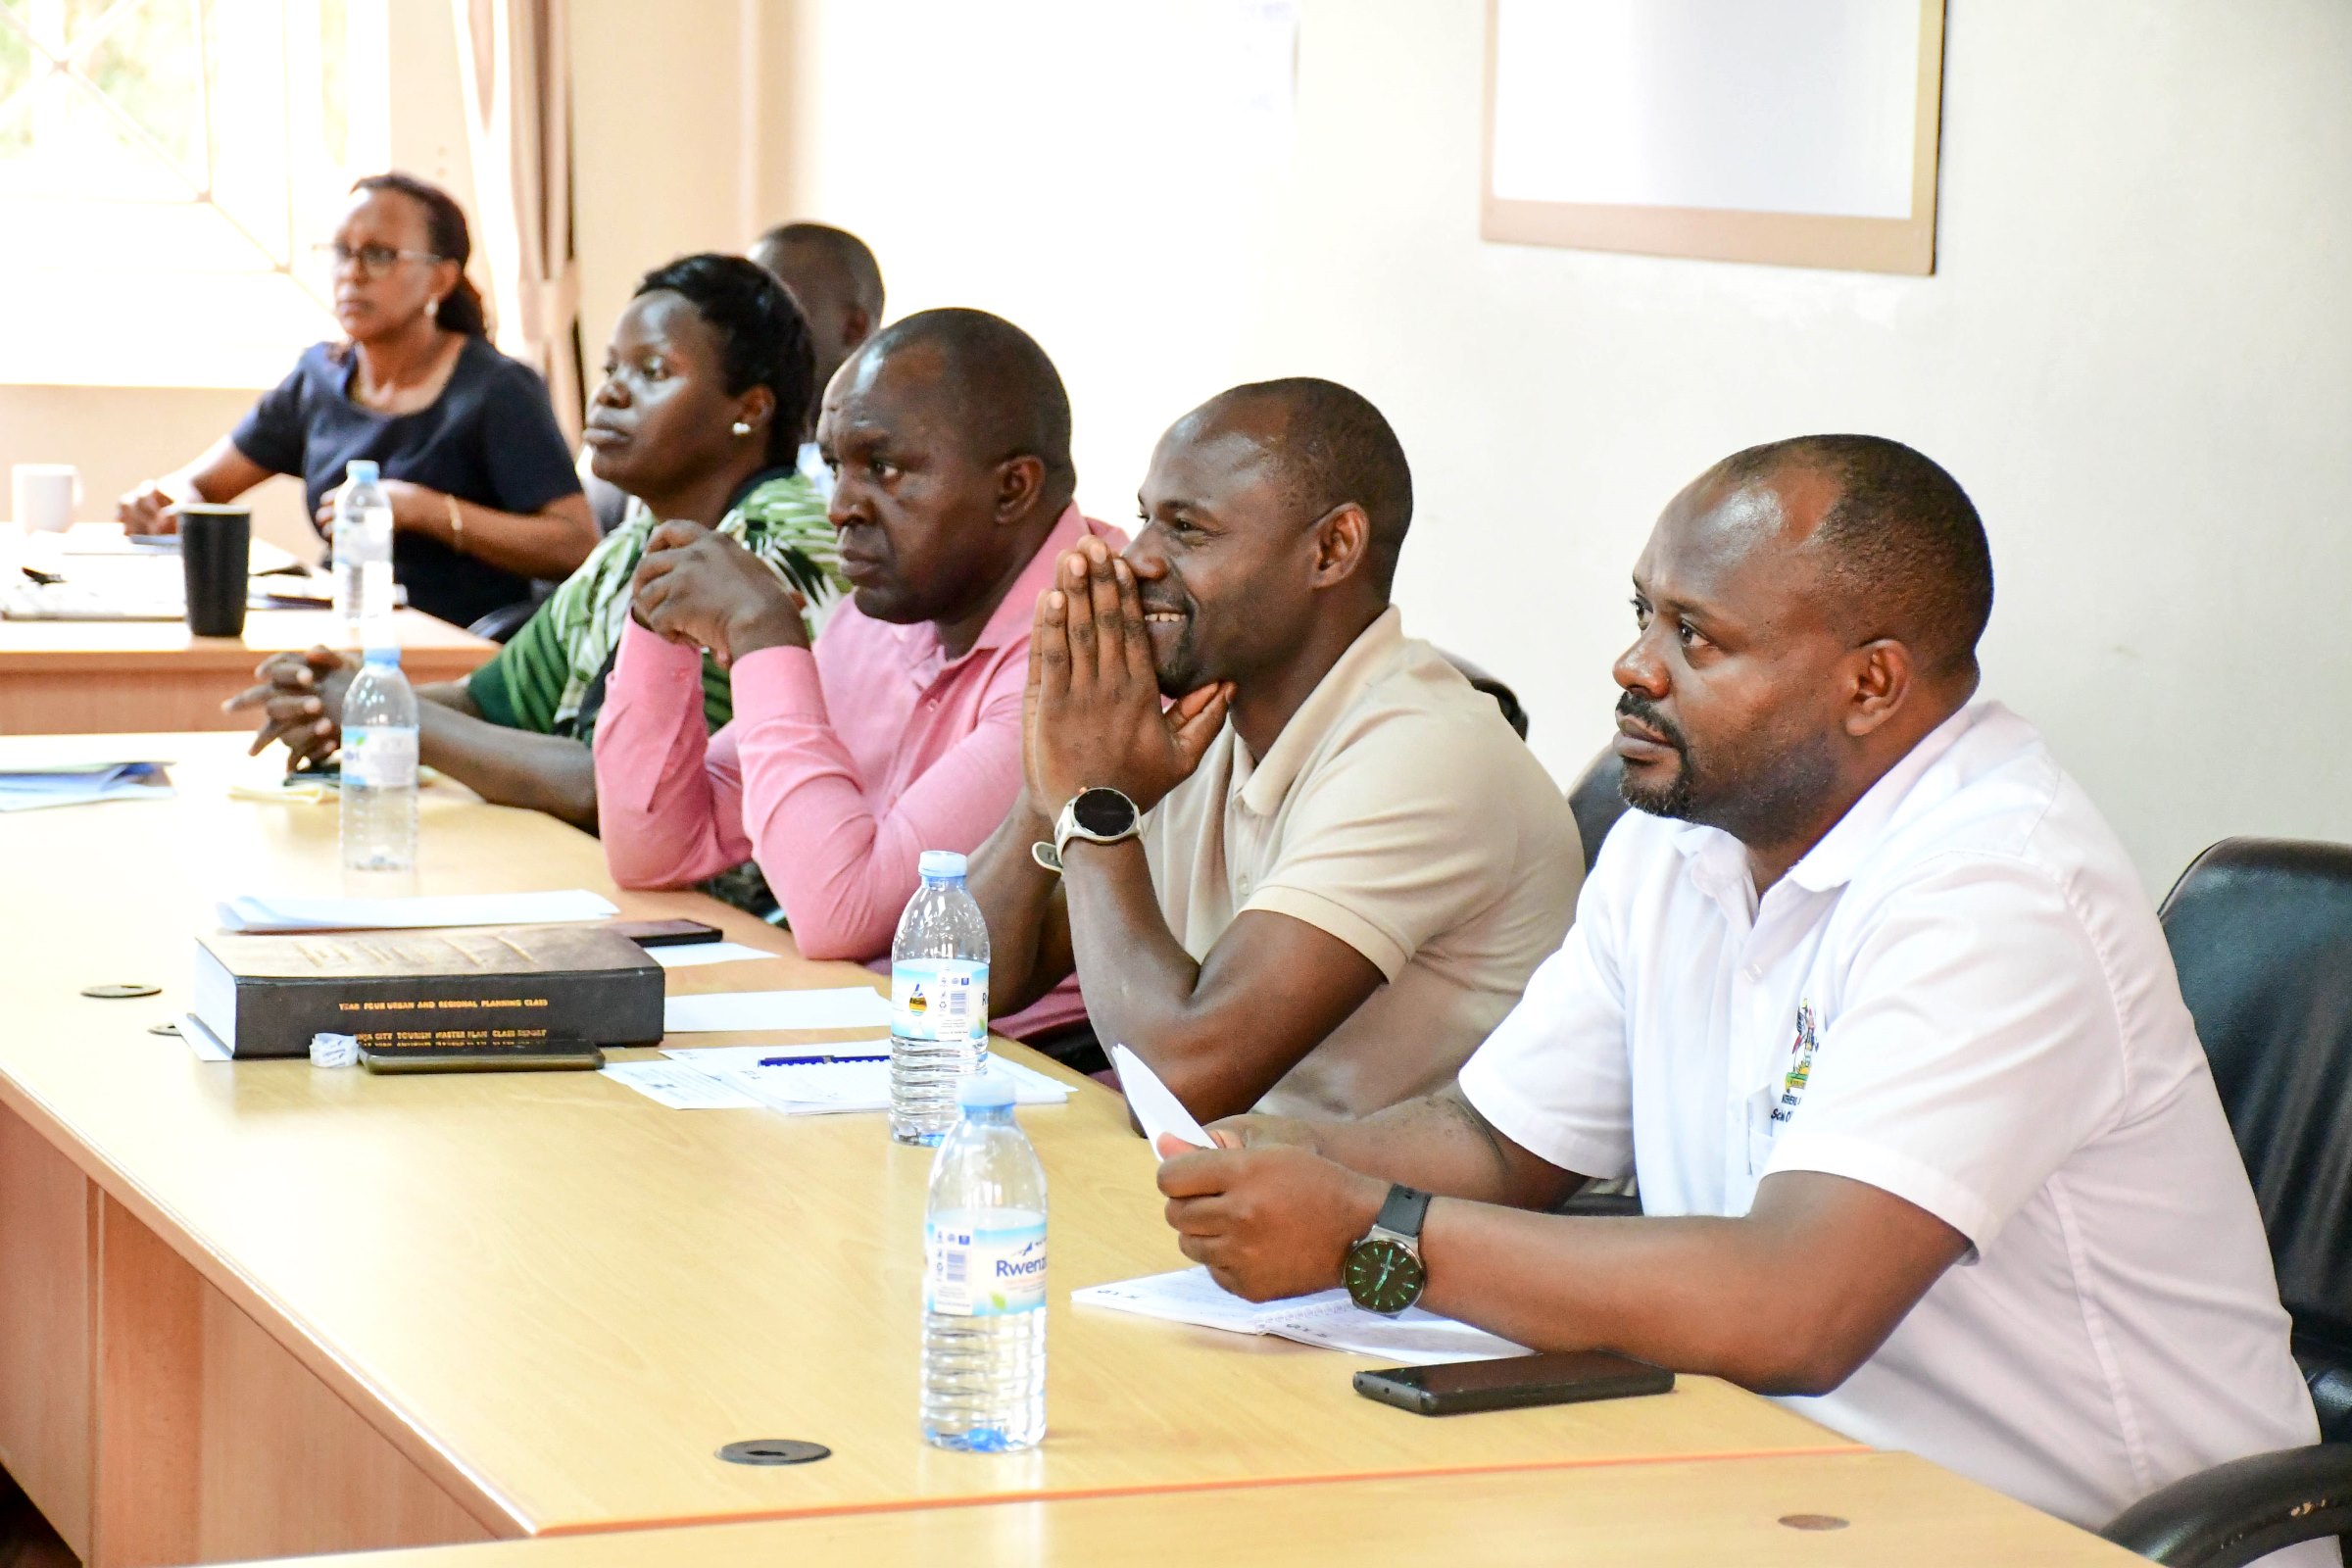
[1799,132]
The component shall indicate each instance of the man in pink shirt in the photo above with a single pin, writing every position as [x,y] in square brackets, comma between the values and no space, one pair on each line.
[900,731]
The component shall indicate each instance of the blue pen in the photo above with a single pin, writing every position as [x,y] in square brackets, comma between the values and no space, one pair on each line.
[812,1062]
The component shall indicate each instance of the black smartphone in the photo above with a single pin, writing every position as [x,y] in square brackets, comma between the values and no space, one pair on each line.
[666,933]
[1515,1381]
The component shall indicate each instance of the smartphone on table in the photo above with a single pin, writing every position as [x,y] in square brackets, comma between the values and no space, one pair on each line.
[1513,1381]
[668,933]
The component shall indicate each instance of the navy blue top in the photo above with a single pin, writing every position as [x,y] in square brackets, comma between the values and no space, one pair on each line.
[489,438]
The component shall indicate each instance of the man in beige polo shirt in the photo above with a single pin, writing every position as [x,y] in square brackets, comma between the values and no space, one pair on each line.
[1318,880]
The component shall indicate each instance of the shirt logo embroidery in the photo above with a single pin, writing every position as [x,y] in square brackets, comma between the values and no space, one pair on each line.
[1800,1065]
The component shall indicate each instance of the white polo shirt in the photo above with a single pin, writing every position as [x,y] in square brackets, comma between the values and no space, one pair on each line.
[1961,996]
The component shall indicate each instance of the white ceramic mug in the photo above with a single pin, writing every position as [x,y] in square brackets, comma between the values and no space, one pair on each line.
[43,495]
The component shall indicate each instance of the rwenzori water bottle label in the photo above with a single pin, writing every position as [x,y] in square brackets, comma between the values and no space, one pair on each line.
[984,1269]
[939,999]
[380,756]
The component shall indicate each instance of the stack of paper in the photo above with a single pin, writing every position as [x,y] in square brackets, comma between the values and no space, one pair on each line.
[259,913]
[82,784]
[1412,1338]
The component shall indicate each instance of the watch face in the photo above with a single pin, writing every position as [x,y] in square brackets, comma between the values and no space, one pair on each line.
[1104,813]
[1383,1275]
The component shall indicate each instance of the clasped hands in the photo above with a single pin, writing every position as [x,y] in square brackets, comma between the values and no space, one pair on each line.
[701,588]
[300,699]
[1092,714]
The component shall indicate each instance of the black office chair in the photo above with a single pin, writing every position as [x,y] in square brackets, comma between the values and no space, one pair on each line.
[1505,697]
[506,620]
[1594,801]
[2261,932]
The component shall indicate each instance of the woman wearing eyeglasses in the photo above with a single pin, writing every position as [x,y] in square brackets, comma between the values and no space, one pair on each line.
[485,495]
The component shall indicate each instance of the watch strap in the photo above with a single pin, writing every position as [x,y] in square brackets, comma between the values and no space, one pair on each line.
[1403,1211]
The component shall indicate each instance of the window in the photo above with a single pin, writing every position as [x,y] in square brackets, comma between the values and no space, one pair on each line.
[166,169]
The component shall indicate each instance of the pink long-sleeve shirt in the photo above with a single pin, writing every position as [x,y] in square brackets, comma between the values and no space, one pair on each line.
[840,768]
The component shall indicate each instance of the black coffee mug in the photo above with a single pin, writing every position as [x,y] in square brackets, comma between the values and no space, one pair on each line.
[216,544]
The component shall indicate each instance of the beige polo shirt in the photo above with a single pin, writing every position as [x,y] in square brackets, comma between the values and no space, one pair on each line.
[1398,812]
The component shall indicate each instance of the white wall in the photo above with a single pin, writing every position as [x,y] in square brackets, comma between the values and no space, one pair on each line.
[2136,352]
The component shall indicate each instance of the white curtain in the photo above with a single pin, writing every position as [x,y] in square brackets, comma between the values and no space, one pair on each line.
[513,58]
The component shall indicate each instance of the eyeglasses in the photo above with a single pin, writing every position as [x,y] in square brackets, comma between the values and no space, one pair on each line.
[374,261]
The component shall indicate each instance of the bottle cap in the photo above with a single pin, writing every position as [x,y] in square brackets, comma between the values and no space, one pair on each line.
[360,471]
[985,1091]
[384,656]
[941,865]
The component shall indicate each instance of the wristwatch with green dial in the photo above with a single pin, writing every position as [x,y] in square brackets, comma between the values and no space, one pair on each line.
[1383,1272]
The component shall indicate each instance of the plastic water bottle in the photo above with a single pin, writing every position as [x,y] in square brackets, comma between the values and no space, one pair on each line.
[984,1286]
[362,556]
[938,1000]
[380,774]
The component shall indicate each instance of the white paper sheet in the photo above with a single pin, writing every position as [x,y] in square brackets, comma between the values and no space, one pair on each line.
[679,1087]
[693,955]
[264,912]
[1326,1318]
[833,1088]
[802,1088]
[726,1058]
[843,1007]
[1154,1103]
[208,1046]
[1187,1296]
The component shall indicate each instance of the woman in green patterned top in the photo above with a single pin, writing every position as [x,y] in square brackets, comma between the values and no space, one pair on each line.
[708,385]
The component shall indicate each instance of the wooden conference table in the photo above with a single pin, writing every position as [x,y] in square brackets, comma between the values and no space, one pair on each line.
[78,677]
[1833,1511]
[255,1310]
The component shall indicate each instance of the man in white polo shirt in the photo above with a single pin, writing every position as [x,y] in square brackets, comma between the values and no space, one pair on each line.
[1868,997]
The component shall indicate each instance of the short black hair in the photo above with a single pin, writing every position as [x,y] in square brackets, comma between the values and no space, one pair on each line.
[1008,399]
[1335,448]
[1907,548]
[763,335]
[844,254]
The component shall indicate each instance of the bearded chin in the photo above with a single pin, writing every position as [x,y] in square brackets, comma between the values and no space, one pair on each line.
[1180,676]
[1671,799]
[1774,796]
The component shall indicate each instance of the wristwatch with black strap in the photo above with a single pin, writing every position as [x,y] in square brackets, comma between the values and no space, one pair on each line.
[1099,815]
[1384,1273]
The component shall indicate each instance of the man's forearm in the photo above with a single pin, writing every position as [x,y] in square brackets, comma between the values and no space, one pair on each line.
[1442,1145]
[1015,895]
[1139,980]
[1694,1294]
[510,766]
[1688,1294]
